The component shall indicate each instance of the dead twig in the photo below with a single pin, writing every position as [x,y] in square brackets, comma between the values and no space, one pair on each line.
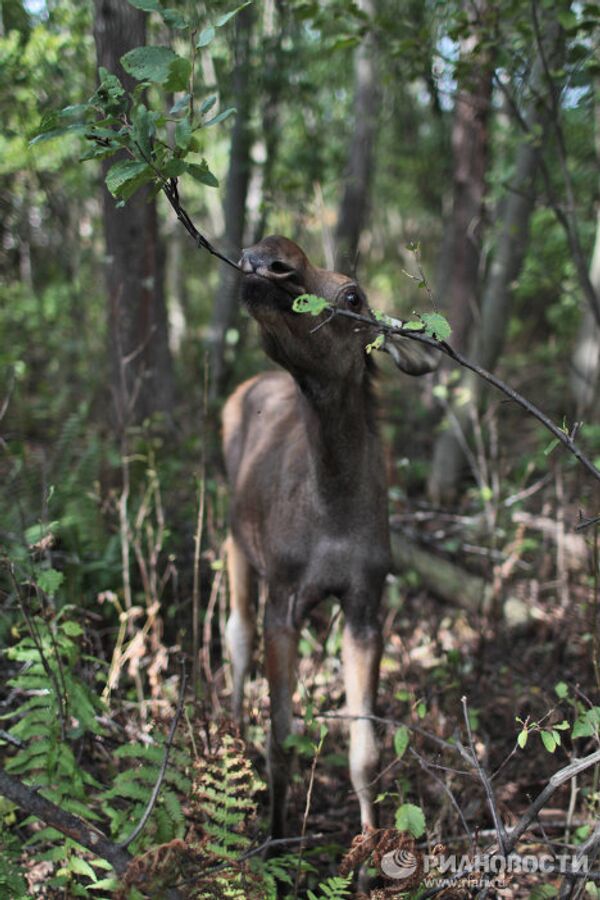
[309,792]
[484,778]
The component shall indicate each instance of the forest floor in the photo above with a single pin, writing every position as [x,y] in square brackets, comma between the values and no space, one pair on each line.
[522,660]
[526,663]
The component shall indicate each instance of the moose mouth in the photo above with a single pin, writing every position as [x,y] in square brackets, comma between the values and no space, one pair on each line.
[275,286]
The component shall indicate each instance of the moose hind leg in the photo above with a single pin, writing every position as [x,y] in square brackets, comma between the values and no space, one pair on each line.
[281,644]
[239,633]
[361,654]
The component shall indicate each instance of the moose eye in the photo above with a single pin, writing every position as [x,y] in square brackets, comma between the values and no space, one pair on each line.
[352,298]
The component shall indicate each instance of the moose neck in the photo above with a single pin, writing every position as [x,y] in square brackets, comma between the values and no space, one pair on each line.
[339,416]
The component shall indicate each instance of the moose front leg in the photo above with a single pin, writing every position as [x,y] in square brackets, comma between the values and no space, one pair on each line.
[281,646]
[361,654]
[239,633]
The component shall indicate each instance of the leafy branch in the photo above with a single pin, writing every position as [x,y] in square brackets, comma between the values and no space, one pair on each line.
[431,329]
[155,147]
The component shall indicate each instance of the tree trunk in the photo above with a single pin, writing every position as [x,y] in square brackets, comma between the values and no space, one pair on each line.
[271,90]
[140,360]
[226,301]
[354,206]
[459,280]
[513,232]
[585,364]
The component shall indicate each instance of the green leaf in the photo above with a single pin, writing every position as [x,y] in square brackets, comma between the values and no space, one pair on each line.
[551,446]
[543,892]
[107,884]
[74,111]
[413,325]
[97,152]
[80,866]
[173,168]
[548,741]
[522,738]
[586,724]
[410,818]
[179,74]
[36,533]
[222,20]
[436,325]
[146,5]
[220,117]
[202,173]
[401,739]
[206,36]
[143,130]
[310,303]
[561,690]
[55,124]
[182,103]
[183,133]
[376,344]
[174,18]
[568,20]
[49,581]
[125,175]
[74,128]
[110,94]
[149,63]
[208,104]
[71,628]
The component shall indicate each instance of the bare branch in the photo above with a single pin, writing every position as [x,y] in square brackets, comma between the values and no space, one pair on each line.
[483,777]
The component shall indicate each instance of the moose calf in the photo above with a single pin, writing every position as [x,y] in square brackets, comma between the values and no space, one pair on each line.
[308,495]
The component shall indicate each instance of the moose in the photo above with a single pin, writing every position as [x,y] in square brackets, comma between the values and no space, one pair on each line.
[308,496]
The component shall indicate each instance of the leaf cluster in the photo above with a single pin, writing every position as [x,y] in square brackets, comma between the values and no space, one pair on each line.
[153,145]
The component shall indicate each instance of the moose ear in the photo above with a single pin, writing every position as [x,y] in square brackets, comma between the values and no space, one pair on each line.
[411,356]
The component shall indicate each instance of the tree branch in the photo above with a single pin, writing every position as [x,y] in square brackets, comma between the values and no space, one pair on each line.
[172,194]
[65,822]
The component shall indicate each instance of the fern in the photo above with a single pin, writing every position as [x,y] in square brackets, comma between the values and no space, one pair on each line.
[125,801]
[225,786]
[58,708]
[332,889]
[12,876]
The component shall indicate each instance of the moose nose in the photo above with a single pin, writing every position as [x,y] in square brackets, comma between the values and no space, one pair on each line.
[250,261]
[262,261]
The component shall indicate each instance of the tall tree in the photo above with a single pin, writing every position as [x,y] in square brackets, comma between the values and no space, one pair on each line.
[487,340]
[354,205]
[459,270]
[236,191]
[141,368]
[585,364]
